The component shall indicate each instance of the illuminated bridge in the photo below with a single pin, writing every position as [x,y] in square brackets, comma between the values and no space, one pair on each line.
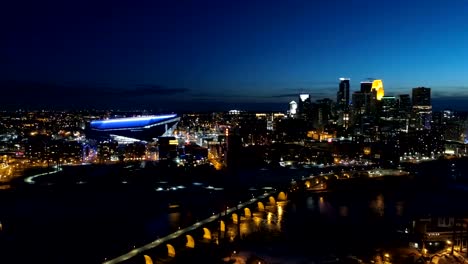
[131,129]
[235,215]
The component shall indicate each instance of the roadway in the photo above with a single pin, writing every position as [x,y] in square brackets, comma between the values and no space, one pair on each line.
[183,231]
[31,179]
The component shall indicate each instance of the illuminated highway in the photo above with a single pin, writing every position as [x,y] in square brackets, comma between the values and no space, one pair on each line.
[180,232]
[31,180]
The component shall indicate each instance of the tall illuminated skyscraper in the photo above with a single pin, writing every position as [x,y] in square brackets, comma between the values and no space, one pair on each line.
[292,108]
[377,88]
[342,96]
[305,105]
[422,107]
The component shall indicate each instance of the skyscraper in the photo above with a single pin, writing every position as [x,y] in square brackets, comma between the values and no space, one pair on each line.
[422,107]
[377,87]
[292,108]
[366,86]
[421,96]
[404,103]
[404,110]
[305,105]
[342,96]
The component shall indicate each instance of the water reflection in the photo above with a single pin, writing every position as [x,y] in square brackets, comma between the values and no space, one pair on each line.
[280,211]
[258,221]
[377,205]
[399,208]
[324,206]
[279,217]
[174,220]
[310,203]
[269,217]
[245,228]
[344,210]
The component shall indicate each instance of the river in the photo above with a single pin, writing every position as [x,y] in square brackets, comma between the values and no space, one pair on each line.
[82,223]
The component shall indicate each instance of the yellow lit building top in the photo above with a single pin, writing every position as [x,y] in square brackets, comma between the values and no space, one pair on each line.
[377,85]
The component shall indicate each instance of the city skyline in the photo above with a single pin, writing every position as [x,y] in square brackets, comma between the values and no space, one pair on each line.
[210,55]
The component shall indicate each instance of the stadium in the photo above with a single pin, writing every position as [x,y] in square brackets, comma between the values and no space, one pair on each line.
[134,129]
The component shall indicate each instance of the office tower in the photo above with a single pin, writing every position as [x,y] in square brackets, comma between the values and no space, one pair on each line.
[292,108]
[359,108]
[322,112]
[364,105]
[377,88]
[342,96]
[404,110]
[422,107]
[305,106]
[361,102]
[404,103]
[366,86]
[389,107]
[421,96]
[342,102]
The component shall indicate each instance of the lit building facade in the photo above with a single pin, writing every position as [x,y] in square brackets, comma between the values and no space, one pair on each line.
[292,108]
[378,89]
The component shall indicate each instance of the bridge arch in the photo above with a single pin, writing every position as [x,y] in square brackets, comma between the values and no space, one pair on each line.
[235,218]
[247,212]
[261,207]
[170,250]
[148,259]
[282,196]
[222,226]
[272,200]
[190,242]
[206,233]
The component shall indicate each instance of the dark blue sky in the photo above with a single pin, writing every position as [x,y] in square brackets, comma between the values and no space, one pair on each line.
[180,54]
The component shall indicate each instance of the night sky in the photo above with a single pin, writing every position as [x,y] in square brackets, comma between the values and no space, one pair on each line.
[179,55]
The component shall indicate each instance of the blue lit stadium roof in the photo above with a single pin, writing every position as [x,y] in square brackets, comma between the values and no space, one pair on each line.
[130,122]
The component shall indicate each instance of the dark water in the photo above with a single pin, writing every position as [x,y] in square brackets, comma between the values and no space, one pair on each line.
[80,224]
[85,223]
[363,216]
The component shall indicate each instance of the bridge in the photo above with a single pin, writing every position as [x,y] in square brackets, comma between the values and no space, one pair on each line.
[319,182]
[200,224]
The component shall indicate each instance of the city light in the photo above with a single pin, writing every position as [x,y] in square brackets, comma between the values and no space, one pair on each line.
[234,131]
